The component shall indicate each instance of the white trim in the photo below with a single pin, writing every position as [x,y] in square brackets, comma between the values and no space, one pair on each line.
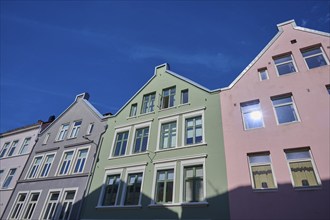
[124,126]
[43,163]
[59,131]
[15,202]
[106,174]
[47,198]
[135,127]
[285,62]
[44,142]
[76,158]
[192,115]
[5,179]
[183,158]
[159,167]
[126,166]
[31,166]
[192,162]
[182,113]
[27,202]
[311,48]
[57,173]
[260,70]
[119,130]
[277,97]
[165,121]
[62,198]
[72,125]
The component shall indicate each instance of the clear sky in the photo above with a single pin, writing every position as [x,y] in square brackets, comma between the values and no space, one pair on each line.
[53,50]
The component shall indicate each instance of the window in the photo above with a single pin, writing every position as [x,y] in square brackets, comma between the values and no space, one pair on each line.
[31,205]
[261,171]
[164,186]
[46,138]
[9,178]
[133,189]
[111,190]
[252,115]
[141,140]
[12,148]
[120,144]
[263,74]
[302,168]
[90,128]
[66,206]
[168,135]
[63,132]
[314,57]
[184,96]
[51,205]
[133,110]
[193,189]
[328,88]
[34,167]
[66,163]
[284,64]
[194,130]
[24,148]
[1,173]
[285,109]
[4,149]
[81,160]
[148,103]
[75,129]
[47,165]
[168,98]
[17,208]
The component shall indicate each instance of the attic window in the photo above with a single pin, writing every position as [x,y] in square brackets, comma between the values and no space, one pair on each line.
[293,41]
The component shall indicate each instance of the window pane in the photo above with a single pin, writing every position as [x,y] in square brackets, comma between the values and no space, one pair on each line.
[311,52]
[283,59]
[286,114]
[263,177]
[252,115]
[298,155]
[315,61]
[303,174]
[285,68]
[259,159]
[284,100]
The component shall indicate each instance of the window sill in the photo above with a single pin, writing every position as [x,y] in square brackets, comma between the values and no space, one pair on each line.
[182,147]
[265,190]
[120,207]
[181,105]
[13,156]
[165,205]
[288,123]
[6,189]
[129,155]
[286,74]
[307,188]
[143,114]
[164,109]
[194,204]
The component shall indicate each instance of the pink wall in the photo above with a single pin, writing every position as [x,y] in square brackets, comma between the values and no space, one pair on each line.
[312,102]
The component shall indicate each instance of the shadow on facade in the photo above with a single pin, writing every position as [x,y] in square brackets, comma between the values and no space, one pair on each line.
[283,203]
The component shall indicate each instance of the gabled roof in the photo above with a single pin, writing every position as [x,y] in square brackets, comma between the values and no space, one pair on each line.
[280,28]
[84,97]
[166,65]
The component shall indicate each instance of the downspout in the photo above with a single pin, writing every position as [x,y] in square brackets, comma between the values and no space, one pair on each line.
[91,173]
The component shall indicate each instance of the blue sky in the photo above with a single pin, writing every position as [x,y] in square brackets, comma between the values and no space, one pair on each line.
[53,50]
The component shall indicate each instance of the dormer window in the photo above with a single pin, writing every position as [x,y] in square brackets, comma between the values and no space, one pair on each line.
[168,98]
[133,111]
[184,96]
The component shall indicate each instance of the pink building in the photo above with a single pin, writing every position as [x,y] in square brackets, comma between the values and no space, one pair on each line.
[276,120]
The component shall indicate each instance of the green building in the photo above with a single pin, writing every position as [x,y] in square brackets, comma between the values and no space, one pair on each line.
[162,156]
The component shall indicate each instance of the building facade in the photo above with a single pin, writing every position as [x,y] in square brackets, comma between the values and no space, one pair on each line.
[53,182]
[162,156]
[16,146]
[276,129]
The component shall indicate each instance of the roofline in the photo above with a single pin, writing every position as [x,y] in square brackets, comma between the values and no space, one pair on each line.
[20,129]
[279,26]
[84,97]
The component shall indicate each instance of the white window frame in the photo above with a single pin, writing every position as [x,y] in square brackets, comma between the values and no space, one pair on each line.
[132,170]
[263,70]
[42,213]
[162,102]
[90,128]
[243,113]
[65,132]
[62,200]
[311,159]
[62,160]
[2,171]
[312,48]
[286,62]
[260,164]
[110,173]
[160,167]
[4,149]
[76,157]
[44,163]
[165,121]
[74,130]
[117,131]
[7,176]
[136,127]
[13,144]
[188,116]
[133,111]
[22,207]
[24,146]
[32,165]
[29,200]
[188,163]
[46,138]
[283,96]
[148,103]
